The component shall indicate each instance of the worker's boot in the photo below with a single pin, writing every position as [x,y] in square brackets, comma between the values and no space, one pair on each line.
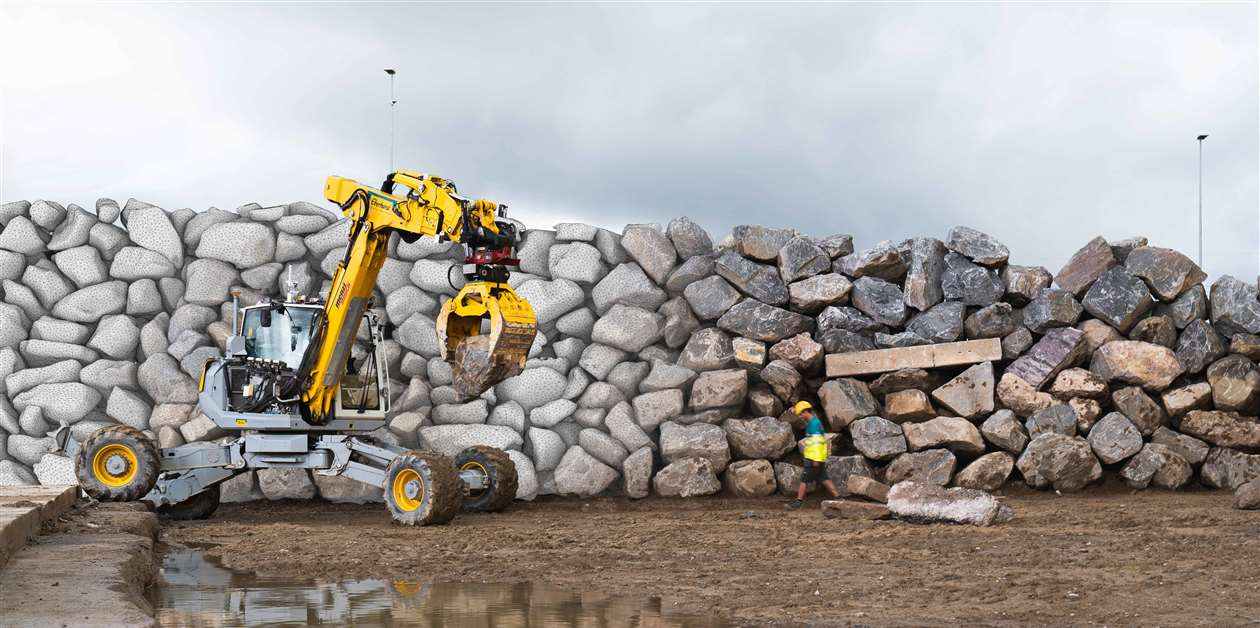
[793,505]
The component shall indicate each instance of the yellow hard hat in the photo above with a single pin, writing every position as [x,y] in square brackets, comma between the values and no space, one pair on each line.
[802,406]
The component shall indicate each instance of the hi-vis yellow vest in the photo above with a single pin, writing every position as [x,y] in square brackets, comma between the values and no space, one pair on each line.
[816,448]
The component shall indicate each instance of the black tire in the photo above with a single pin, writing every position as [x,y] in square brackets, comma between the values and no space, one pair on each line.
[500,473]
[422,488]
[199,506]
[117,463]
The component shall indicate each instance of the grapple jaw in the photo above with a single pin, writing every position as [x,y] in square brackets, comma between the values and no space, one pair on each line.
[479,361]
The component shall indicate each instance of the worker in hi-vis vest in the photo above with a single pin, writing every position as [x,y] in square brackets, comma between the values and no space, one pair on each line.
[816,447]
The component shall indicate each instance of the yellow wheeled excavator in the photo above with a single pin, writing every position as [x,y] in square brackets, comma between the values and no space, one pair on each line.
[294,394]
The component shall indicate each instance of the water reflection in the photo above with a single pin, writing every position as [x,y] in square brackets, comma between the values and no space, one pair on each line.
[196,592]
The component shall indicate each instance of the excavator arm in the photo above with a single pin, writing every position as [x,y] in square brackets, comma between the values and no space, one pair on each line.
[415,205]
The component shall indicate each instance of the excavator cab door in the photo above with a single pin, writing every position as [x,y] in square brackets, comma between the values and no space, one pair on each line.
[480,360]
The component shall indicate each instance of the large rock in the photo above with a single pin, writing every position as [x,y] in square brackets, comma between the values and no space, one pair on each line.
[845,400]
[711,297]
[753,319]
[1024,283]
[67,401]
[970,394]
[651,249]
[1223,429]
[1235,306]
[1199,346]
[689,272]
[1057,419]
[881,300]
[1118,299]
[533,388]
[280,483]
[1114,438]
[805,355]
[1223,468]
[1085,266]
[688,238]
[82,265]
[1058,349]
[578,262]
[750,478]
[151,228]
[957,435]
[652,409]
[1191,305]
[1004,430]
[1188,447]
[760,243]
[934,466]
[758,281]
[1078,382]
[628,328]
[987,473]
[449,440]
[679,322]
[1235,384]
[979,247]
[908,406]
[801,258]
[882,261]
[636,473]
[1064,463]
[1141,363]
[992,321]
[970,283]
[687,477]
[764,437]
[877,438]
[940,323]
[339,489]
[854,510]
[602,447]
[923,279]
[629,285]
[700,440]
[930,503]
[1135,404]
[23,380]
[1247,497]
[242,244]
[1167,272]
[1052,308]
[812,294]
[89,304]
[550,299]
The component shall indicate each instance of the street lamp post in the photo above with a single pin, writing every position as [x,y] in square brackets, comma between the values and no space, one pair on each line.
[392,102]
[1201,138]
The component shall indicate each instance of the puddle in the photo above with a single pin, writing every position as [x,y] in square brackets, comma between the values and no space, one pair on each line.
[194,591]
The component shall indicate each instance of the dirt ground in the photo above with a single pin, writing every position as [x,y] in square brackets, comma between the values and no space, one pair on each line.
[1105,557]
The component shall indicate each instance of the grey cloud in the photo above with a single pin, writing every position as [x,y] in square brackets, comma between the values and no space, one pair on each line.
[1043,125]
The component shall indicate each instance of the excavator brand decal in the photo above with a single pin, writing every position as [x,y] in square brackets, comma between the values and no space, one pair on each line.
[341,295]
[241,423]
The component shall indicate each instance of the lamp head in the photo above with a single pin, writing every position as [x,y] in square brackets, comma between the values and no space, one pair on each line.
[1202,137]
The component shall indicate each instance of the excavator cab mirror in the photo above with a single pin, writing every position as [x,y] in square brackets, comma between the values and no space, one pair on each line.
[264,317]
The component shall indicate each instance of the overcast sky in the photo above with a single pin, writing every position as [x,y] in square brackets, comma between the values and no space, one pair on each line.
[1043,125]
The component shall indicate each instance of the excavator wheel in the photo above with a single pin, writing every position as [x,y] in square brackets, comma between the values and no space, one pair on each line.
[422,488]
[199,506]
[117,463]
[500,475]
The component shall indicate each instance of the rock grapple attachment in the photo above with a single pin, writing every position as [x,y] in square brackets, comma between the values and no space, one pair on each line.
[484,355]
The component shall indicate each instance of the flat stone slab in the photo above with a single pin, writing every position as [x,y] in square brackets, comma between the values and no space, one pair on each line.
[923,357]
[23,511]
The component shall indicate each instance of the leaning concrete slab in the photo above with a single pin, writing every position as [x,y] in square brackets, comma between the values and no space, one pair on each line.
[922,357]
[23,511]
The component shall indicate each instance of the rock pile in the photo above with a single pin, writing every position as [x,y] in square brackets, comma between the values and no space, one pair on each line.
[665,361]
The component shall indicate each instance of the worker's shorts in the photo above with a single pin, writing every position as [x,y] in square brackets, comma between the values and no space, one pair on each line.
[814,472]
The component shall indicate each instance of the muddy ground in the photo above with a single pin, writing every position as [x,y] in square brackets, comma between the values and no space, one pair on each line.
[1105,557]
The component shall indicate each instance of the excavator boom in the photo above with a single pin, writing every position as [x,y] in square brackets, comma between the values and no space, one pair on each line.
[415,205]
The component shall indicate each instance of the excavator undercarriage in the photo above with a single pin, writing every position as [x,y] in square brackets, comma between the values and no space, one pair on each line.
[296,390]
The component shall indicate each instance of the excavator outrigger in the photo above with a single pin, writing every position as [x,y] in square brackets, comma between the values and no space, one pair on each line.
[292,390]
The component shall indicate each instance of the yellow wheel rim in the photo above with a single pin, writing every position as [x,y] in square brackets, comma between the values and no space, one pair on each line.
[408,490]
[473,465]
[115,465]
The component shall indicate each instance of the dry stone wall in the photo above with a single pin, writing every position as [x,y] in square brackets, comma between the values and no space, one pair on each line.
[665,361]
